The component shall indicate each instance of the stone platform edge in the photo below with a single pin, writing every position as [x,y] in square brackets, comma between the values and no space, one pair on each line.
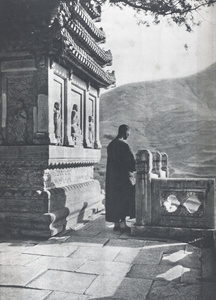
[205,237]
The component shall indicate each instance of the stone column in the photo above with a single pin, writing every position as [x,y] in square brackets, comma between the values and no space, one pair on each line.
[87,143]
[143,187]
[97,120]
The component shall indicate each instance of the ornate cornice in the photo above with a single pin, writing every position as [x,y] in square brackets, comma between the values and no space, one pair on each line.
[75,55]
[101,56]
[84,18]
[93,11]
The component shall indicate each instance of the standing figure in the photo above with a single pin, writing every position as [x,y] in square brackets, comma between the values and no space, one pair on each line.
[18,130]
[57,122]
[120,189]
[75,124]
[91,130]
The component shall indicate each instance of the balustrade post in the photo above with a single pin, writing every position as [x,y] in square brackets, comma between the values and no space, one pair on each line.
[143,187]
[156,167]
[164,167]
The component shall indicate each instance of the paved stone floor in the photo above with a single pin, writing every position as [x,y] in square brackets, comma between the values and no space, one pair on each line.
[94,262]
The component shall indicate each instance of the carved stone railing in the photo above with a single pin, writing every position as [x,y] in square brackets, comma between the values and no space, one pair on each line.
[171,208]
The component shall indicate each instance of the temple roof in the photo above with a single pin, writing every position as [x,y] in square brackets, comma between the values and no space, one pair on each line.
[63,29]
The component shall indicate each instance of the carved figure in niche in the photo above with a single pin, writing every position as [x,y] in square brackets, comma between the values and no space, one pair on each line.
[18,130]
[75,125]
[91,130]
[57,122]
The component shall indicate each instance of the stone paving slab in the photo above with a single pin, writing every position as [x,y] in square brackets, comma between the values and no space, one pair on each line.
[156,272]
[66,296]
[127,255]
[105,268]
[8,259]
[126,243]
[186,259]
[19,275]
[133,289]
[9,293]
[104,286]
[98,263]
[192,276]
[208,290]
[63,281]
[208,268]
[86,241]
[96,254]
[164,290]
[148,257]
[51,249]
[14,247]
[60,263]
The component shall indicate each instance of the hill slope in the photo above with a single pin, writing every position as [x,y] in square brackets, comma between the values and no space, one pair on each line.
[176,116]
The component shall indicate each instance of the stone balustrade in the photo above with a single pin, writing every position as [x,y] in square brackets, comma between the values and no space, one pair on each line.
[168,207]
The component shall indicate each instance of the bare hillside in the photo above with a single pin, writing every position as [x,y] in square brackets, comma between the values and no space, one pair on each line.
[175,116]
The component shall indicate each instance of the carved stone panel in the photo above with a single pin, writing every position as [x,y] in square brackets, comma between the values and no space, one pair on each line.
[75,108]
[56,110]
[90,111]
[20,94]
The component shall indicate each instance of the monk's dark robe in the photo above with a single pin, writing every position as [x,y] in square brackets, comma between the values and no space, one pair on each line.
[120,193]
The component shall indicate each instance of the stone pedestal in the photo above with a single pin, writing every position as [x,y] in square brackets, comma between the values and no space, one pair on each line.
[45,188]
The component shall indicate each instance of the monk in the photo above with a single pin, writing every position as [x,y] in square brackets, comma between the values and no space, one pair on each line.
[120,188]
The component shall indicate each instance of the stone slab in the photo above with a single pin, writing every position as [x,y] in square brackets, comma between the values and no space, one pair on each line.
[174,291]
[127,255]
[184,258]
[208,290]
[96,254]
[61,263]
[19,275]
[66,296]
[52,249]
[133,289]
[128,243]
[208,268]
[156,272]
[63,281]
[85,241]
[192,276]
[104,286]
[147,256]
[7,259]
[165,246]
[105,268]
[9,293]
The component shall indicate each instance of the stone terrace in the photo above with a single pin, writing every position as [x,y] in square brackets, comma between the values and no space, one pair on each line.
[94,262]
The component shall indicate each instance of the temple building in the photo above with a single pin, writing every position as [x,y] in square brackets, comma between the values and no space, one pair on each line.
[51,72]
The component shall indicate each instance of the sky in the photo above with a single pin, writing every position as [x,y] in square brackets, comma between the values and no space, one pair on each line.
[143,53]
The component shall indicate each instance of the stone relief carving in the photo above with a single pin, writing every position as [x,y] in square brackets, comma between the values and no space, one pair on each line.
[16,178]
[75,126]
[17,129]
[61,177]
[21,97]
[91,130]
[57,122]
